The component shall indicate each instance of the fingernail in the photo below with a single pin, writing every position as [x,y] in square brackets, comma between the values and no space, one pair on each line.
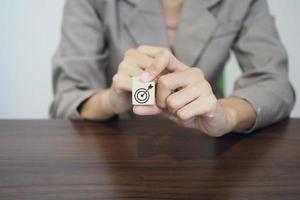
[146,77]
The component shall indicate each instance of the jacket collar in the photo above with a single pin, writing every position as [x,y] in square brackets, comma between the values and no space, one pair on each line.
[146,25]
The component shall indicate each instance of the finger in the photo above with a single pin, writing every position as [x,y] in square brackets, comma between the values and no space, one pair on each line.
[140,59]
[130,68]
[168,83]
[149,50]
[146,110]
[190,123]
[186,95]
[200,107]
[163,60]
[122,82]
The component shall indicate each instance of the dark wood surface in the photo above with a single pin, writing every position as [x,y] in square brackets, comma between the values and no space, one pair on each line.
[145,158]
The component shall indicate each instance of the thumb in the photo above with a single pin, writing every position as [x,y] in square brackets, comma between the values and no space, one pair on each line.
[147,110]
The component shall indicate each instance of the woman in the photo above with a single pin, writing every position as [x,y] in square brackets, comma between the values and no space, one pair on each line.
[183,45]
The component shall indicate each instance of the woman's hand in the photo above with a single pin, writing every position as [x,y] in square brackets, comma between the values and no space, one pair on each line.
[117,99]
[186,97]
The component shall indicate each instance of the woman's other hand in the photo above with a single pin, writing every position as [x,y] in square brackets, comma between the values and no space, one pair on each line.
[186,97]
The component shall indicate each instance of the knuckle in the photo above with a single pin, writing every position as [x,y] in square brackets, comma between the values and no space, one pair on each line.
[142,47]
[197,73]
[214,99]
[116,83]
[129,53]
[195,89]
[116,79]
[205,87]
[122,65]
[214,102]
[211,103]
[165,52]
[172,102]
[182,115]
[162,81]
[200,72]
[162,52]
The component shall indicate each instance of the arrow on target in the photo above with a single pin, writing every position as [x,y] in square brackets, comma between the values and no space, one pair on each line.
[149,87]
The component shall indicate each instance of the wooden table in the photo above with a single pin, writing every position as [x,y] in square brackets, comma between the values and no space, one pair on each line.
[145,158]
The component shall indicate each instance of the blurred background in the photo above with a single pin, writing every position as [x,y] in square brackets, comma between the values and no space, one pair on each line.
[30,32]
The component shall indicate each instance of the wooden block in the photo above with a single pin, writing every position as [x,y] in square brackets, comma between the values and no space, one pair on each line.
[142,93]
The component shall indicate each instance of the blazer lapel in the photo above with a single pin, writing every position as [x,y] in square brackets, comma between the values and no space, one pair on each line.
[196,28]
[145,23]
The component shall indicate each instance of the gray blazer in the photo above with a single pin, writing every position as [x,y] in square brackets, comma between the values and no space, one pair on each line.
[96,33]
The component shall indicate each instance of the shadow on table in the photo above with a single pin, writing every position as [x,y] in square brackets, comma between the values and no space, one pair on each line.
[184,144]
[140,153]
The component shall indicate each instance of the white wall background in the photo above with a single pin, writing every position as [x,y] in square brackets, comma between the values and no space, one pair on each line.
[29,34]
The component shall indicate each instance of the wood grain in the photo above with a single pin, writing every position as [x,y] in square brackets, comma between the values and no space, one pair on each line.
[145,158]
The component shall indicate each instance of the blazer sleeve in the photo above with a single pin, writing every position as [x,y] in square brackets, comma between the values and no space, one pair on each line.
[263,60]
[80,60]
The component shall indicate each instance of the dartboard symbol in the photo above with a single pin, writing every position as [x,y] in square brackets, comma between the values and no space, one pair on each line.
[142,95]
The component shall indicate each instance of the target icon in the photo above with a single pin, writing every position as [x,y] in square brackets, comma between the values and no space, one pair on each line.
[142,95]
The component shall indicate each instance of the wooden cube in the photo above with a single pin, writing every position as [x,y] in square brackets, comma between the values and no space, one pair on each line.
[142,93]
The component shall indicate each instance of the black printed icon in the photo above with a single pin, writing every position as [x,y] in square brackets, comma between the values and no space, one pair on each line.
[142,95]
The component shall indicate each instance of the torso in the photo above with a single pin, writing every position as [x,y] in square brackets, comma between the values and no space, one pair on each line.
[205,32]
